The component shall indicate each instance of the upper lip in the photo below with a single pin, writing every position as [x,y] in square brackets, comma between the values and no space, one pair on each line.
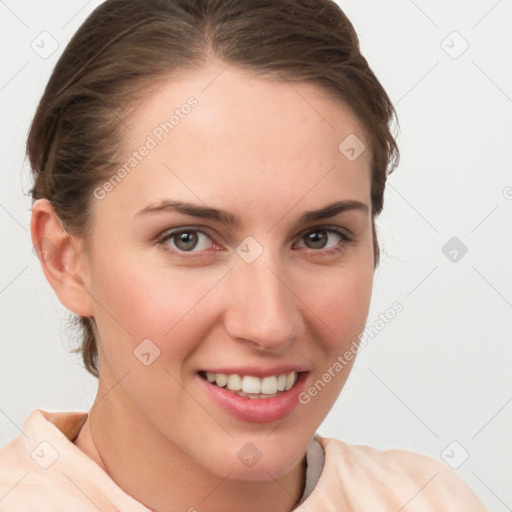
[258,371]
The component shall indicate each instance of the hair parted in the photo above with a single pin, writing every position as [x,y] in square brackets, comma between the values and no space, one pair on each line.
[126,49]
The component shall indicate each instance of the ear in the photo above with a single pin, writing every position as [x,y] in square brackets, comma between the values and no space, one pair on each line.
[63,264]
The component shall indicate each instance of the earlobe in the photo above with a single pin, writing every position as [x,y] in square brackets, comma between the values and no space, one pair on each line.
[62,263]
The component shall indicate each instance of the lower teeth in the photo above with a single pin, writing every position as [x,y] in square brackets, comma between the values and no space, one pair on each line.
[250,395]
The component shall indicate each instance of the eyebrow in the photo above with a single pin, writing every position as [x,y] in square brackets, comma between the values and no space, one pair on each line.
[205,212]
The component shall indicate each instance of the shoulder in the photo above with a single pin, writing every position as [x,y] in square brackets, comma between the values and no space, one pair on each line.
[29,462]
[400,478]
[41,470]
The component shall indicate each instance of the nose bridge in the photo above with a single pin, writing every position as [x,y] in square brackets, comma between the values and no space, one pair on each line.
[263,307]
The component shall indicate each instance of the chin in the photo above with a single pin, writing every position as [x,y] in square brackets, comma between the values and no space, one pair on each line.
[257,458]
[262,471]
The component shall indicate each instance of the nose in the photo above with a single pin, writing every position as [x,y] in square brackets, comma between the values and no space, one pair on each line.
[264,311]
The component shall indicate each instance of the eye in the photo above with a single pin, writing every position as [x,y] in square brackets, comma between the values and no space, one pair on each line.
[318,238]
[323,240]
[186,240]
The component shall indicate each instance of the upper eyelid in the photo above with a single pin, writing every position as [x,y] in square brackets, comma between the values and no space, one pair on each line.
[327,227]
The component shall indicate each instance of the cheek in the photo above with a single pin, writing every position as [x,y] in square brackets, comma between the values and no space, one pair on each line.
[340,300]
[137,302]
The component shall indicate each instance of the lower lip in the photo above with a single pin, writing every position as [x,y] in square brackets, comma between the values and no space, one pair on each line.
[258,410]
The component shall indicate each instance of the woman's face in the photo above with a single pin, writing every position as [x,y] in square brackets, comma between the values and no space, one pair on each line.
[251,286]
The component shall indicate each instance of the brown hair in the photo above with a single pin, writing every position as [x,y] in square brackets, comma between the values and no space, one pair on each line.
[127,48]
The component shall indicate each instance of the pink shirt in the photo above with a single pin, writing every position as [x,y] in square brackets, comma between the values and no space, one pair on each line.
[41,470]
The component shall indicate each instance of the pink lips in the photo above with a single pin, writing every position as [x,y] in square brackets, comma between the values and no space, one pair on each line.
[259,410]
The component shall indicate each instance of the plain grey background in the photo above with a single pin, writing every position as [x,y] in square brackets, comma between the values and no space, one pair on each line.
[436,379]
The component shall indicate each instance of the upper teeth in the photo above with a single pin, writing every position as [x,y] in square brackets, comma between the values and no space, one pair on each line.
[254,385]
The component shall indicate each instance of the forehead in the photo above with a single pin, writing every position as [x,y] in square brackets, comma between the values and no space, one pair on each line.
[221,134]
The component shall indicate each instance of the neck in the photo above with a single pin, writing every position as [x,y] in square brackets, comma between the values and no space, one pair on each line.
[162,477]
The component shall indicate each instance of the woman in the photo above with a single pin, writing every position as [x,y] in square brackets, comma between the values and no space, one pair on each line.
[207,176]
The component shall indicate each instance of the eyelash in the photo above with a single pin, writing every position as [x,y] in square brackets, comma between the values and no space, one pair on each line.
[168,235]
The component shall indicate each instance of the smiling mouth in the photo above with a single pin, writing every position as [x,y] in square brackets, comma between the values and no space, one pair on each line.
[250,386]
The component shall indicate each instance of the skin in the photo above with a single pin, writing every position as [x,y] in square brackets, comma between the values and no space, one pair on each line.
[267,152]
